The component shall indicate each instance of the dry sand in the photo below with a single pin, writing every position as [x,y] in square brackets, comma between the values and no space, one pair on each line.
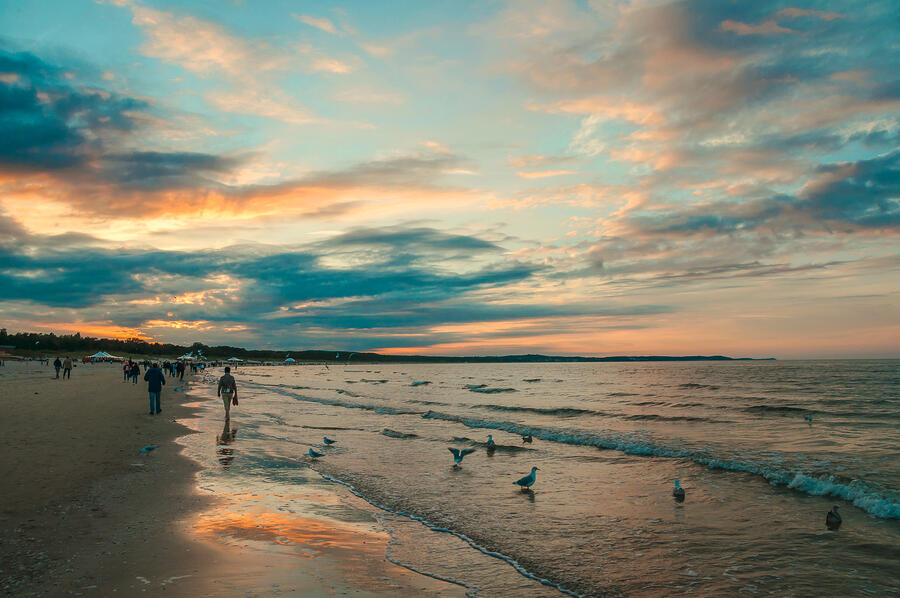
[83,512]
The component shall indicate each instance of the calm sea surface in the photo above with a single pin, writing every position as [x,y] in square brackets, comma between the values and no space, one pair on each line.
[609,440]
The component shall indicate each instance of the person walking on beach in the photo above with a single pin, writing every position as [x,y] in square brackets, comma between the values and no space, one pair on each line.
[57,364]
[228,391]
[67,368]
[180,369]
[155,381]
[126,371]
[135,372]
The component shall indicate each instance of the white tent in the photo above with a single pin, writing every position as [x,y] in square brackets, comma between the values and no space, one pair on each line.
[187,357]
[101,355]
[235,360]
[289,360]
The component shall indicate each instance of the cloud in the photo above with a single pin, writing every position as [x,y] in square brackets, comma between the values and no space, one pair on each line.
[321,23]
[793,12]
[766,28]
[246,70]
[542,174]
[46,122]
[369,96]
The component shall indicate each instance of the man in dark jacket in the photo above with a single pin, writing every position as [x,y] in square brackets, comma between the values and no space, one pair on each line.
[57,364]
[155,380]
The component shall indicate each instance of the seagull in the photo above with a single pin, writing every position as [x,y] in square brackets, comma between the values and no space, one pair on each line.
[833,520]
[528,480]
[526,438]
[678,492]
[491,445]
[808,418]
[328,440]
[458,455]
[314,454]
[147,449]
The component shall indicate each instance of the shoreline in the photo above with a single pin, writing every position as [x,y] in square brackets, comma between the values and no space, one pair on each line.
[87,514]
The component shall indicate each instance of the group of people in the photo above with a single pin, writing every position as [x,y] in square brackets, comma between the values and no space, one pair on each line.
[64,365]
[175,369]
[156,379]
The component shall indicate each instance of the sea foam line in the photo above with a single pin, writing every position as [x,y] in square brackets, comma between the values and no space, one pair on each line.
[856,492]
[497,555]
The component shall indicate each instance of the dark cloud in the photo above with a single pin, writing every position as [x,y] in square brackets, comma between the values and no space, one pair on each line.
[46,123]
[844,197]
[420,238]
[159,170]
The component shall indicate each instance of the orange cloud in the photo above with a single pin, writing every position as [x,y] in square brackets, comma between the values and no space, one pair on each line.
[766,28]
[541,174]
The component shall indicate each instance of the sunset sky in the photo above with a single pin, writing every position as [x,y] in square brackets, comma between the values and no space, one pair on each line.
[592,178]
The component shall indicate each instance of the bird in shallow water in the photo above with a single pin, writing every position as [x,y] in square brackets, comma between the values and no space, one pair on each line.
[526,438]
[678,492]
[491,445]
[328,440]
[458,455]
[528,480]
[808,418]
[315,454]
[832,519]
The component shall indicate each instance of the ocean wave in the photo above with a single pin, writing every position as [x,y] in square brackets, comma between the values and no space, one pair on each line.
[341,391]
[482,389]
[881,502]
[564,411]
[622,394]
[776,409]
[396,434]
[531,380]
[474,386]
[346,404]
[421,383]
[665,418]
[699,386]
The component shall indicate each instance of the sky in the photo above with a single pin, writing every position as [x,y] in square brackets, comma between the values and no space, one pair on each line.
[452,178]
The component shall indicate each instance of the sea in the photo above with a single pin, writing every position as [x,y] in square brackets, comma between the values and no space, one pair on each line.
[763,449]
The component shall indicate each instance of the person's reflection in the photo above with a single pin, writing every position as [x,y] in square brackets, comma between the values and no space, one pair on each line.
[225,454]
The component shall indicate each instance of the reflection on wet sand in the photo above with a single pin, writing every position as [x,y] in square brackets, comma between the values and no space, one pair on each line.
[225,455]
[356,552]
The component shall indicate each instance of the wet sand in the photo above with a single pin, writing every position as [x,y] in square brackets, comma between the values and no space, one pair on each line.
[83,512]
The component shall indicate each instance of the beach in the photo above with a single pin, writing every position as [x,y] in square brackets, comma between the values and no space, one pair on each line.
[83,512]
[243,510]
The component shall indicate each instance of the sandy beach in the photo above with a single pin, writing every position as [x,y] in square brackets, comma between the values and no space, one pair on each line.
[83,512]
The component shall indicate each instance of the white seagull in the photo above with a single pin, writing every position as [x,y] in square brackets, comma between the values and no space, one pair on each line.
[328,440]
[315,454]
[528,480]
[458,455]
[678,491]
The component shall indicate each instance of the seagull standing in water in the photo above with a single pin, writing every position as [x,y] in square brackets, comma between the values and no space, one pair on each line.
[526,438]
[678,492]
[833,520]
[328,440]
[491,445]
[315,454]
[458,455]
[528,480]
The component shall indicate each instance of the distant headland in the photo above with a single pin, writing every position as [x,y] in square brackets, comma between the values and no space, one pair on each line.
[36,344]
